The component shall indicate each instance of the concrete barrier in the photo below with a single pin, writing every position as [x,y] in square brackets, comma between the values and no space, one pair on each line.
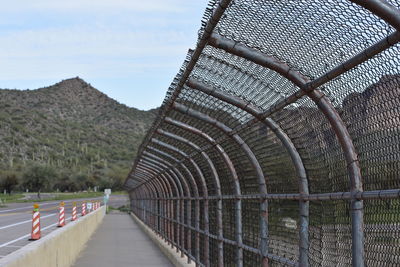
[59,248]
[174,257]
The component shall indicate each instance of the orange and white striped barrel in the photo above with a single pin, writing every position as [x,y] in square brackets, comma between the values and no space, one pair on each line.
[35,234]
[83,209]
[61,215]
[74,215]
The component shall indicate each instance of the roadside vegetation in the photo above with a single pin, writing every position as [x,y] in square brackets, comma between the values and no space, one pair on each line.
[68,137]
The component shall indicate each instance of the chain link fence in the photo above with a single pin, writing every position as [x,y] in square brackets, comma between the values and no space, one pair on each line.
[278,142]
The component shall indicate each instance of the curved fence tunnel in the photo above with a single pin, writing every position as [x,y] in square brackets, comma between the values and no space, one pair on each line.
[278,140]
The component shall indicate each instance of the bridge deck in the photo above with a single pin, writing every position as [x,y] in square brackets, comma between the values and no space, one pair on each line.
[120,242]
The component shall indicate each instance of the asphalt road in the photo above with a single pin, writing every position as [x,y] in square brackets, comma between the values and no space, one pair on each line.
[16,220]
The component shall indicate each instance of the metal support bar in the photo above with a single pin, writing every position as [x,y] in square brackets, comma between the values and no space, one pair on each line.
[334,119]
[287,143]
[383,9]
[217,186]
[193,186]
[205,194]
[365,195]
[233,175]
[257,169]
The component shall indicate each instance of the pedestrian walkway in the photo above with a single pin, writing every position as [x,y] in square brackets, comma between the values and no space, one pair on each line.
[119,242]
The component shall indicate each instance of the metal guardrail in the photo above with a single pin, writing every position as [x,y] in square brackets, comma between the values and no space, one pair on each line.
[278,140]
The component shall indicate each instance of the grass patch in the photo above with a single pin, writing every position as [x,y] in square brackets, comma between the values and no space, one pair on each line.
[18,198]
[119,193]
[10,198]
[66,196]
[123,208]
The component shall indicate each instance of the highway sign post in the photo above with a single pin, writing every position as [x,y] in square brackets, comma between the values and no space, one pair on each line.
[107,193]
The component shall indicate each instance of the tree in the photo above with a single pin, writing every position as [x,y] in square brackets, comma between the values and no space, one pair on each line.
[8,181]
[38,177]
[66,182]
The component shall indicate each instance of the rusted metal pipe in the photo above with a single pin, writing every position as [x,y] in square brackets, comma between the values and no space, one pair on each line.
[287,143]
[257,169]
[330,113]
[383,9]
[205,194]
[233,175]
[217,186]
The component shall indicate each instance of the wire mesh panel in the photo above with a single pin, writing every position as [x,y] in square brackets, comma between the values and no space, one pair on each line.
[278,142]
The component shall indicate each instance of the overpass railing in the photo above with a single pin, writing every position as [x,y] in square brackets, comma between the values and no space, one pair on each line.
[278,142]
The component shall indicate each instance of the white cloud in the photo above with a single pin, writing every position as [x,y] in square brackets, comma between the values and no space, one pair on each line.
[95,5]
[102,39]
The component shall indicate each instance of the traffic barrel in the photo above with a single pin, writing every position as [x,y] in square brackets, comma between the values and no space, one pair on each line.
[83,209]
[35,234]
[74,215]
[61,215]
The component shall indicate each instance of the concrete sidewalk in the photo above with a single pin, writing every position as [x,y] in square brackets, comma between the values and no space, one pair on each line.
[119,242]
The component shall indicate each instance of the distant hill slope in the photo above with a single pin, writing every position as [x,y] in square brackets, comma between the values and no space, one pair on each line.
[72,127]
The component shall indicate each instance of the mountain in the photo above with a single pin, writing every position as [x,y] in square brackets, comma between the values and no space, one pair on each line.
[71,127]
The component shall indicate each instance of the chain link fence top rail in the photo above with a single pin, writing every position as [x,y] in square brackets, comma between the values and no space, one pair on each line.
[278,142]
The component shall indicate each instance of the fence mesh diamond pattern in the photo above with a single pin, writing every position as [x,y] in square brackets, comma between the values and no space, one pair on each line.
[278,142]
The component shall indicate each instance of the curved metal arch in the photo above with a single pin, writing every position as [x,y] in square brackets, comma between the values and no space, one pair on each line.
[156,205]
[165,210]
[334,119]
[168,206]
[192,181]
[160,183]
[145,191]
[143,205]
[217,187]
[183,190]
[168,167]
[179,193]
[185,156]
[156,185]
[188,193]
[197,201]
[139,194]
[152,168]
[287,143]
[257,169]
[233,175]
[148,204]
[217,184]
[382,9]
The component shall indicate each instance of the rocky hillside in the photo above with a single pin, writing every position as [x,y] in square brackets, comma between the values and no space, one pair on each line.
[71,127]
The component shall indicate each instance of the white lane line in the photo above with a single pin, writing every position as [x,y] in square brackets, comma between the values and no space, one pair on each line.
[46,203]
[25,236]
[27,207]
[15,224]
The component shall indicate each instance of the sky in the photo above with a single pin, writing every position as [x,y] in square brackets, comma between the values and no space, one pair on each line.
[129,49]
